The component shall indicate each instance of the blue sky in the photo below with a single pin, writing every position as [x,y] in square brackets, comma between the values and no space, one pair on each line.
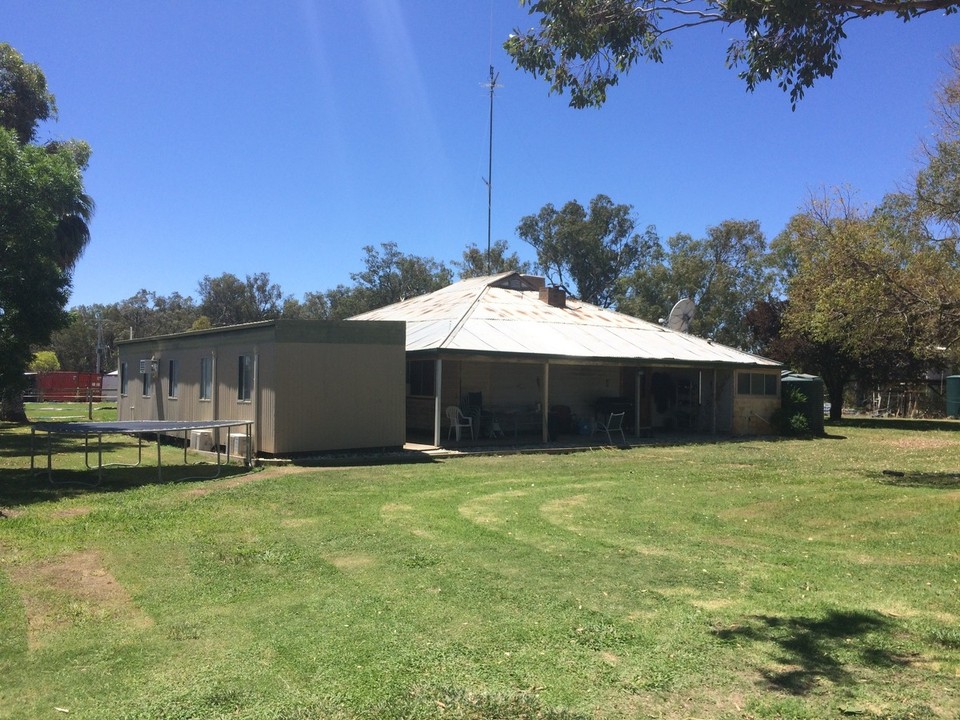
[282,137]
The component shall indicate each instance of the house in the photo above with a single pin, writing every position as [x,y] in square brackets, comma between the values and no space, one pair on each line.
[520,357]
[308,386]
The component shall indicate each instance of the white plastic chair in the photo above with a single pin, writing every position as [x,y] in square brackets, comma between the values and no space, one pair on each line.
[614,424]
[458,420]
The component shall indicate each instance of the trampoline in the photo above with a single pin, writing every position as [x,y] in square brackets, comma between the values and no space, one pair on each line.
[138,429]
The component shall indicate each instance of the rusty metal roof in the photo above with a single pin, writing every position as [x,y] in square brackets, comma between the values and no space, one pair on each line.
[503,314]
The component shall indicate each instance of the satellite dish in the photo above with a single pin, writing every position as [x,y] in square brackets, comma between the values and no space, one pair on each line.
[681,315]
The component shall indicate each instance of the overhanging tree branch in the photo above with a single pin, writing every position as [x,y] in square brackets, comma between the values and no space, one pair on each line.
[583,46]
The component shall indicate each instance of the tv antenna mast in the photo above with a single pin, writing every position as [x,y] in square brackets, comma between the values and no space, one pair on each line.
[491,85]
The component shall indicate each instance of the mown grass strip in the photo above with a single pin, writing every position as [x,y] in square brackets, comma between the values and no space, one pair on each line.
[760,579]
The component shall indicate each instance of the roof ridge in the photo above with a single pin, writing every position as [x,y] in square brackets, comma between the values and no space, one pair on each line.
[463,318]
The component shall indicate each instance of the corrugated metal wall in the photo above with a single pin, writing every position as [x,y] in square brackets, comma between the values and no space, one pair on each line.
[341,388]
[340,396]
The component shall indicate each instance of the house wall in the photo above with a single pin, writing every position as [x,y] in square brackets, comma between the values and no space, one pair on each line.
[700,400]
[342,396]
[752,412]
[187,351]
[579,386]
[505,386]
[315,386]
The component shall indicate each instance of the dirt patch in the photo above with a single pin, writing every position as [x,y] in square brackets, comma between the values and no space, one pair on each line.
[715,604]
[610,658]
[297,522]
[71,512]
[395,508]
[484,510]
[72,590]
[762,509]
[233,482]
[347,563]
[6,512]
[919,443]
[564,507]
[651,551]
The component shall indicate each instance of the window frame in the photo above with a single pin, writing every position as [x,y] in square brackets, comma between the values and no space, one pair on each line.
[244,378]
[206,379]
[758,384]
[421,377]
[173,380]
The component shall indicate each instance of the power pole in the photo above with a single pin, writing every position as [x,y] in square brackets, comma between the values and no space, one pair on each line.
[101,347]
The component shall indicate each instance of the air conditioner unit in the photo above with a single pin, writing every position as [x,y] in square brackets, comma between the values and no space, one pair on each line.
[149,367]
[238,444]
[201,440]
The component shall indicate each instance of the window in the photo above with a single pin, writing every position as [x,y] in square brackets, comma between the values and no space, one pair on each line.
[420,377]
[145,382]
[206,378]
[244,378]
[754,383]
[173,381]
[124,379]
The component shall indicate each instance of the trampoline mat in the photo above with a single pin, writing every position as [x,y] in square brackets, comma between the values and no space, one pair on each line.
[134,427]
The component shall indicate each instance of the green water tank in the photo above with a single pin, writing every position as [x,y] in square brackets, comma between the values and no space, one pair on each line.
[812,389]
[953,396]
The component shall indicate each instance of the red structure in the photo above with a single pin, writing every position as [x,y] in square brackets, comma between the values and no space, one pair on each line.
[62,386]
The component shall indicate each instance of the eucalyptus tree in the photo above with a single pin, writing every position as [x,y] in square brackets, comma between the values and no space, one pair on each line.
[389,276]
[725,273]
[588,251]
[478,263]
[228,300]
[584,46]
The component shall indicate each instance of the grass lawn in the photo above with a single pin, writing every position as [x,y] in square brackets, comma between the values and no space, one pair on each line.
[756,579]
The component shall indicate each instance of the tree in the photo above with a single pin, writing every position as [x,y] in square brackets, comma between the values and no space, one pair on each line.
[475,262]
[24,98]
[76,342]
[592,251]
[724,274]
[938,183]
[44,361]
[583,46]
[44,213]
[871,291]
[227,300]
[389,277]
[829,360]
[313,307]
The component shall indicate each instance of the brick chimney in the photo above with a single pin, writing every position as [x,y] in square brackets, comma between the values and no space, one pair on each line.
[554,297]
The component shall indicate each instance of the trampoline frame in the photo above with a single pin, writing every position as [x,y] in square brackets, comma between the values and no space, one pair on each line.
[137,428]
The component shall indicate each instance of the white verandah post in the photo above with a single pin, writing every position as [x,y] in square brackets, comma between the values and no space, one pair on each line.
[437,378]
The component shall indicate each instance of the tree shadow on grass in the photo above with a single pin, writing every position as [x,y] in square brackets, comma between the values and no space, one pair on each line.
[21,487]
[941,481]
[878,423]
[811,650]
[70,476]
